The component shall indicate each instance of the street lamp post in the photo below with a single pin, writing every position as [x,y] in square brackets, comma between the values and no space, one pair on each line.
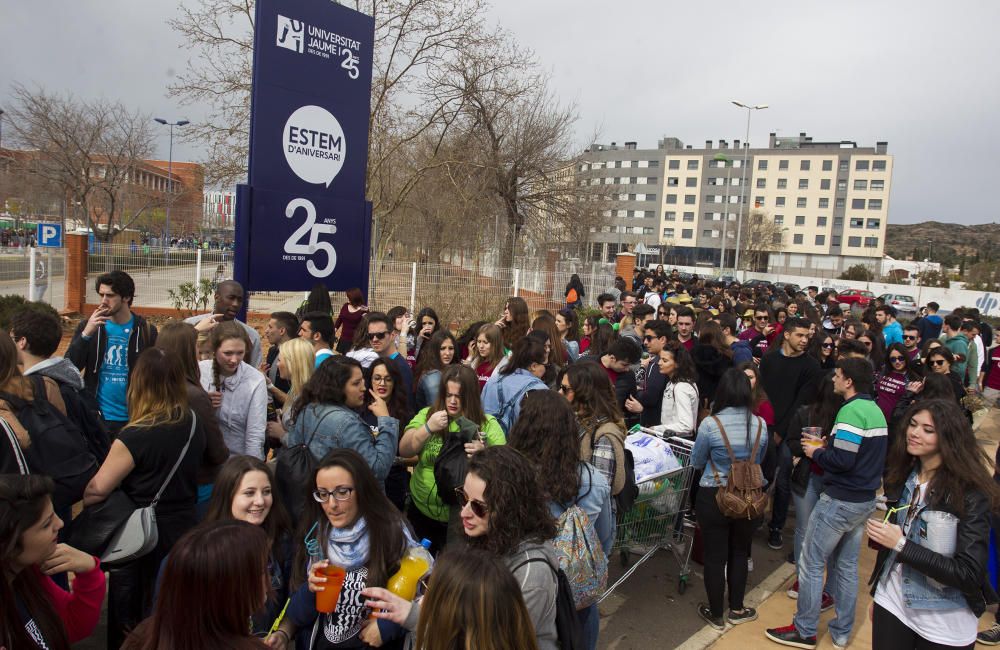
[725,215]
[1,128]
[170,170]
[743,176]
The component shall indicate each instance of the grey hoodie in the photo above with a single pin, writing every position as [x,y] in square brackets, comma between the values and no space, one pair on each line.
[539,588]
[243,414]
[60,369]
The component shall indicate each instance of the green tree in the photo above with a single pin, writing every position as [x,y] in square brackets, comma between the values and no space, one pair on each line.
[858,272]
[932,278]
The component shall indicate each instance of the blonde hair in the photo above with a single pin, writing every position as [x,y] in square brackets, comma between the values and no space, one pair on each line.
[495,337]
[300,360]
[157,390]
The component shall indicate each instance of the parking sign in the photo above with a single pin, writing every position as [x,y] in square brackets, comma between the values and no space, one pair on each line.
[49,235]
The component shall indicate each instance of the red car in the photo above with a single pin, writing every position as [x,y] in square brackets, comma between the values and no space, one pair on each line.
[857,297]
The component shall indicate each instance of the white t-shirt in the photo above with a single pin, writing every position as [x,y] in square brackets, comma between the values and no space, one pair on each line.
[955,627]
[653,299]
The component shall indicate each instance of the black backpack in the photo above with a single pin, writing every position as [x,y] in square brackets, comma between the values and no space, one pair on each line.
[568,628]
[293,473]
[83,410]
[58,449]
[452,464]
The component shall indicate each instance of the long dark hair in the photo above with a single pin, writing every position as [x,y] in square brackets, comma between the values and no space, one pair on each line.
[711,335]
[518,508]
[963,461]
[432,359]
[515,330]
[227,483]
[387,543]
[733,391]
[216,570]
[398,405]
[823,411]
[601,339]
[526,352]
[546,432]
[468,382]
[22,502]
[180,340]
[684,369]
[319,299]
[547,323]
[593,395]
[326,386]
[908,368]
[572,323]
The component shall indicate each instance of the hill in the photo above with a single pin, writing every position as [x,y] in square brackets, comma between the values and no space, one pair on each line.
[949,243]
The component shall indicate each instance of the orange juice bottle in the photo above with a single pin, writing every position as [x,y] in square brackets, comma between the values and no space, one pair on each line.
[414,565]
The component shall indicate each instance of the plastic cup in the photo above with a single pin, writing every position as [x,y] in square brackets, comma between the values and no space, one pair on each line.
[326,600]
[816,432]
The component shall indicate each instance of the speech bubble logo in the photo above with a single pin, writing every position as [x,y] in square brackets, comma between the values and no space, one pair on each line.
[314,145]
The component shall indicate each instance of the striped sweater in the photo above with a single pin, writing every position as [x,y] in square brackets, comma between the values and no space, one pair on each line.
[854,459]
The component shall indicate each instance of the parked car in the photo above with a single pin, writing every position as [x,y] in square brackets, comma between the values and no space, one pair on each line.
[900,301]
[790,287]
[858,297]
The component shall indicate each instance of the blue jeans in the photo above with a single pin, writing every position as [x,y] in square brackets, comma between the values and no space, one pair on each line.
[833,538]
[804,505]
[590,621]
[782,487]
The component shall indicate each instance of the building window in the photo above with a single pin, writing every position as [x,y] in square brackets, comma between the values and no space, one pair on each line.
[820,240]
[804,165]
[844,165]
[835,240]
[828,165]
[690,199]
[840,204]
[800,202]
[687,233]
[824,184]
[762,165]
[671,198]
[871,242]
[782,183]
[841,185]
[824,203]
[691,181]
[758,201]
[647,231]
[878,165]
[857,204]
[672,181]
[838,222]
[779,201]
[652,180]
[861,165]
[874,204]
[633,180]
[857,222]
[874,224]
[877,186]
[673,164]
[692,164]
[776,238]
[796,239]
[800,220]
[650,197]
[668,233]
[803,183]
[654,163]
[707,232]
[688,216]
[860,184]
[821,222]
[779,219]
[670,216]
[761,183]
[854,242]
[782,165]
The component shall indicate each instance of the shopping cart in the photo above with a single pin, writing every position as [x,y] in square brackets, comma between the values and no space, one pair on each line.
[656,520]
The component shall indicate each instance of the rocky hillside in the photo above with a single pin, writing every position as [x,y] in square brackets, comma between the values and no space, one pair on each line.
[950,242]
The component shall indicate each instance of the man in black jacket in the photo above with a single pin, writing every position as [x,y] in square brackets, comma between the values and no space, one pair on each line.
[106,345]
[651,382]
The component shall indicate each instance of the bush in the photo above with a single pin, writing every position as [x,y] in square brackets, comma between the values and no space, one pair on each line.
[858,272]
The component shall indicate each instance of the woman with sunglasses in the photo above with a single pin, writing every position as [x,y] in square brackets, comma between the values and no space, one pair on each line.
[545,434]
[504,512]
[875,344]
[425,436]
[929,346]
[327,416]
[891,383]
[940,494]
[939,361]
[823,348]
[440,353]
[350,523]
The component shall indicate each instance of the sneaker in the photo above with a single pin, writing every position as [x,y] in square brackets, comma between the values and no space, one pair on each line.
[793,591]
[990,636]
[826,602]
[748,614]
[715,622]
[838,645]
[775,540]
[789,636]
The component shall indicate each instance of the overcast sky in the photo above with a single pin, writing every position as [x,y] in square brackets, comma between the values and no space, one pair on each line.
[921,75]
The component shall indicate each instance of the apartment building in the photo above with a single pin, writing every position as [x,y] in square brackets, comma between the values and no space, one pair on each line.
[821,205]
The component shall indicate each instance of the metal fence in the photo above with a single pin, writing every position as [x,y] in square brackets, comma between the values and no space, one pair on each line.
[34,273]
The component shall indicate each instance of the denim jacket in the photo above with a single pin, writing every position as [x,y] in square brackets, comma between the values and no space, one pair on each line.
[932,581]
[708,445]
[594,498]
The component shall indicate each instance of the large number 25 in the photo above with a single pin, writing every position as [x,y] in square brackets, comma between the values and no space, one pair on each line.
[294,245]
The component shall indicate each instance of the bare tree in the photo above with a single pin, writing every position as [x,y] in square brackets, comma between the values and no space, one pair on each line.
[760,236]
[90,150]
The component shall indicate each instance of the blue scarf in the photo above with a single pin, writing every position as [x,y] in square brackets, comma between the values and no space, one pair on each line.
[348,547]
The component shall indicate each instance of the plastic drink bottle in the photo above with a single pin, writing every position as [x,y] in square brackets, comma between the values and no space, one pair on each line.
[414,565]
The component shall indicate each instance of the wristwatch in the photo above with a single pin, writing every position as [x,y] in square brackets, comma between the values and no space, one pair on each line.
[899,545]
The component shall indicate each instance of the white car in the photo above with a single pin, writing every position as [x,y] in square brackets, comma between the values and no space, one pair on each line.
[900,302]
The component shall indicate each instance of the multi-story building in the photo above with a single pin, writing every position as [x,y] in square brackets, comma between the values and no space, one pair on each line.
[220,210]
[820,205]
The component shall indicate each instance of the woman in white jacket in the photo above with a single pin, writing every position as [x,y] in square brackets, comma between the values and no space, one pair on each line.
[237,389]
[679,410]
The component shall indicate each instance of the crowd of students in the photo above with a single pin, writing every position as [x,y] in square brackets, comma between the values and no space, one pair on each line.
[496,445]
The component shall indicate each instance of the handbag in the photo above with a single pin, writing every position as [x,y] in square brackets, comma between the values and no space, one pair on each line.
[115,529]
[452,464]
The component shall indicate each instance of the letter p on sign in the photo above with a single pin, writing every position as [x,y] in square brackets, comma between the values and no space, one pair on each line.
[49,235]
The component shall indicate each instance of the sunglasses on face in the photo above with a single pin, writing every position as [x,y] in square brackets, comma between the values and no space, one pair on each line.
[565,388]
[909,338]
[377,336]
[761,318]
[827,346]
[648,338]
[936,362]
[478,507]
[897,359]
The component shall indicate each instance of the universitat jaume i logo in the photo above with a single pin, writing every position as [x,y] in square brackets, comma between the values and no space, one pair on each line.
[291,34]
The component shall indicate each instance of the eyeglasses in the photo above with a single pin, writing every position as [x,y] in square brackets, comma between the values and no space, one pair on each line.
[909,338]
[341,493]
[382,380]
[377,336]
[937,362]
[565,388]
[827,346]
[897,359]
[478,507]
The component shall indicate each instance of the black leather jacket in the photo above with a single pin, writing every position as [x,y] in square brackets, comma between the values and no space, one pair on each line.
[967,570]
